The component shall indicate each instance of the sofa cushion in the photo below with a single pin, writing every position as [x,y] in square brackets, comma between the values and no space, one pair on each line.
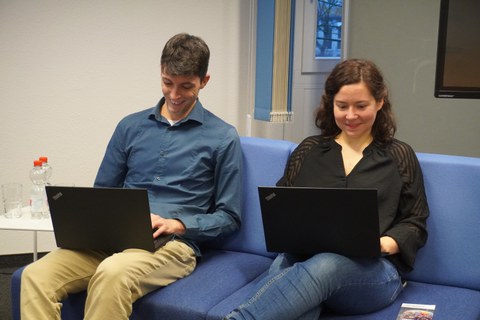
[230,303]
[451,303]
[218,275]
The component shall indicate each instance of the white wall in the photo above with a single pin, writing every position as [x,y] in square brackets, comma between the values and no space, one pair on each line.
[401,37]
[70,70]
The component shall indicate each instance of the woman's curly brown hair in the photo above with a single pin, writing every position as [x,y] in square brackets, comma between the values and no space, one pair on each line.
[354,71]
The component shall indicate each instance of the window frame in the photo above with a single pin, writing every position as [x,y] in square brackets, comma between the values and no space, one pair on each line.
[310,63]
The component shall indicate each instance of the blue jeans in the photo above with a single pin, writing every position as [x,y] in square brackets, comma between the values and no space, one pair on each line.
[296,289]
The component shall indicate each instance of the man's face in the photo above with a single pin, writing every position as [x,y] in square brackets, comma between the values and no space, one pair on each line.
[180,94]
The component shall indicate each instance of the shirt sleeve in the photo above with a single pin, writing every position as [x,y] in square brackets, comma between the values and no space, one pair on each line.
[113,168]
[409,228]
[224,216]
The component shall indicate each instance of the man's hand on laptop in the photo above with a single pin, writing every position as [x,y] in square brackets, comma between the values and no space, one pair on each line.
[166,226]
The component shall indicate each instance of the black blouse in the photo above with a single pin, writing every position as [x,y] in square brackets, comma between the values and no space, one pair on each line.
[392,169]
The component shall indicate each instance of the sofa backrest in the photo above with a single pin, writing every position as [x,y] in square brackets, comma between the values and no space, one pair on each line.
[452,254]
[264,161]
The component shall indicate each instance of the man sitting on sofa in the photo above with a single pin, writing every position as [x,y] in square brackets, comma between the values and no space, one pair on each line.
[190,162]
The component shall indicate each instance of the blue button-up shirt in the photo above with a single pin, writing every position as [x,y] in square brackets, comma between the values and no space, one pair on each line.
[192,169]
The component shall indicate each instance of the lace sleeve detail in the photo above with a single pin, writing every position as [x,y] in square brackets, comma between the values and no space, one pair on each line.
[295,161]
[410,227]
[410,171]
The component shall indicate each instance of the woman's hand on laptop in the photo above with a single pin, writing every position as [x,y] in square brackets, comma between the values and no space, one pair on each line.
[388,245]
[166,226]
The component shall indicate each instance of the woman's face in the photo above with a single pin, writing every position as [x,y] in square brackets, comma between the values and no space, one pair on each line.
[355,110]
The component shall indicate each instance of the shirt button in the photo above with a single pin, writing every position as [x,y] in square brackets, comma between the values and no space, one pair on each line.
[157,178]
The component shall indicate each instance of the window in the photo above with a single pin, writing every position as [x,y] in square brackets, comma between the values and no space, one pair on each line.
[329,29]
[322,34]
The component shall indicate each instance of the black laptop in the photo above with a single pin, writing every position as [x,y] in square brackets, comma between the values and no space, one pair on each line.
[111,219]
[307,221]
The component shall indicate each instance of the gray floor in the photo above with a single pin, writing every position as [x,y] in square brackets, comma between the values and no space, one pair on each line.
[8,264]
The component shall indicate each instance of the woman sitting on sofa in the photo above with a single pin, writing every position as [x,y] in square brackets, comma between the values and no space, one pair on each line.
[356,149]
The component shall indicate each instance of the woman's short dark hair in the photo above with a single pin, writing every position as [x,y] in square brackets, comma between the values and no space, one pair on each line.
[354,71]
[185,55]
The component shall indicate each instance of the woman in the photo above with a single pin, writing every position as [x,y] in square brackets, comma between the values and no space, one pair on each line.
[356,149]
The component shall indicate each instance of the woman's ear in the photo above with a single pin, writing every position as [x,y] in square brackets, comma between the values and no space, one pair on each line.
[380,104]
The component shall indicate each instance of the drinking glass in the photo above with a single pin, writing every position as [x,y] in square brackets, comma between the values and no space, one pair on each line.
[12,200]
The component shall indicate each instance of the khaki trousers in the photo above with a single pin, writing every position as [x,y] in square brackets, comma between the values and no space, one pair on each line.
[114,282]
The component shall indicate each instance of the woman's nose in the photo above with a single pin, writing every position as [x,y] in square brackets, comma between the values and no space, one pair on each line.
[351,113]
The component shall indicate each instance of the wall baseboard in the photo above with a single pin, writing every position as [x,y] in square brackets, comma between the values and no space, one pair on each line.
[17,260]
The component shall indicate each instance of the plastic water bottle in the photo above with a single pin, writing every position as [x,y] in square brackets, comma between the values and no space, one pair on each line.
[37,195]
[48,174]
[48,169]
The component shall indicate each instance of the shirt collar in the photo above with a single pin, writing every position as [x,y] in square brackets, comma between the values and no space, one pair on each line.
[196,114]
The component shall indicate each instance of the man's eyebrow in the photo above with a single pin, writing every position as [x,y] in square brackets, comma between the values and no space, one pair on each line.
[181,83]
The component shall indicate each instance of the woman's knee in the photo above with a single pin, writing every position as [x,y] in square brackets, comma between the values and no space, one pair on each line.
[325,264]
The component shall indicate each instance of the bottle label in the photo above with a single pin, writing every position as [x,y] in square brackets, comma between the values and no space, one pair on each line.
[36,204]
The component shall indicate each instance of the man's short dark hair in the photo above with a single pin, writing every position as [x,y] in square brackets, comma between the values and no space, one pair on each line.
[185,55]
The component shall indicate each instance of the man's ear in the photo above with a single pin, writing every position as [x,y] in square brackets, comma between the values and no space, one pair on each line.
[204,81]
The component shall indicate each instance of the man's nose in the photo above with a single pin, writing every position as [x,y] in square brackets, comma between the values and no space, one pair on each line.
[174,93]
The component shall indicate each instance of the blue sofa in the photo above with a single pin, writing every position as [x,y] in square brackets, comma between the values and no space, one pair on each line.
[447,271]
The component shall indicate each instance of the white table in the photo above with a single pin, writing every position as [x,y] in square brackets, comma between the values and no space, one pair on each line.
[26,223]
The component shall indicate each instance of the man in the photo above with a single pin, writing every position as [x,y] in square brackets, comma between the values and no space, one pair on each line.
[190,162]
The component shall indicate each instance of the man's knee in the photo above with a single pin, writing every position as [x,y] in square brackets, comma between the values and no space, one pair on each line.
[34,274]
[110,270]
[28,274]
